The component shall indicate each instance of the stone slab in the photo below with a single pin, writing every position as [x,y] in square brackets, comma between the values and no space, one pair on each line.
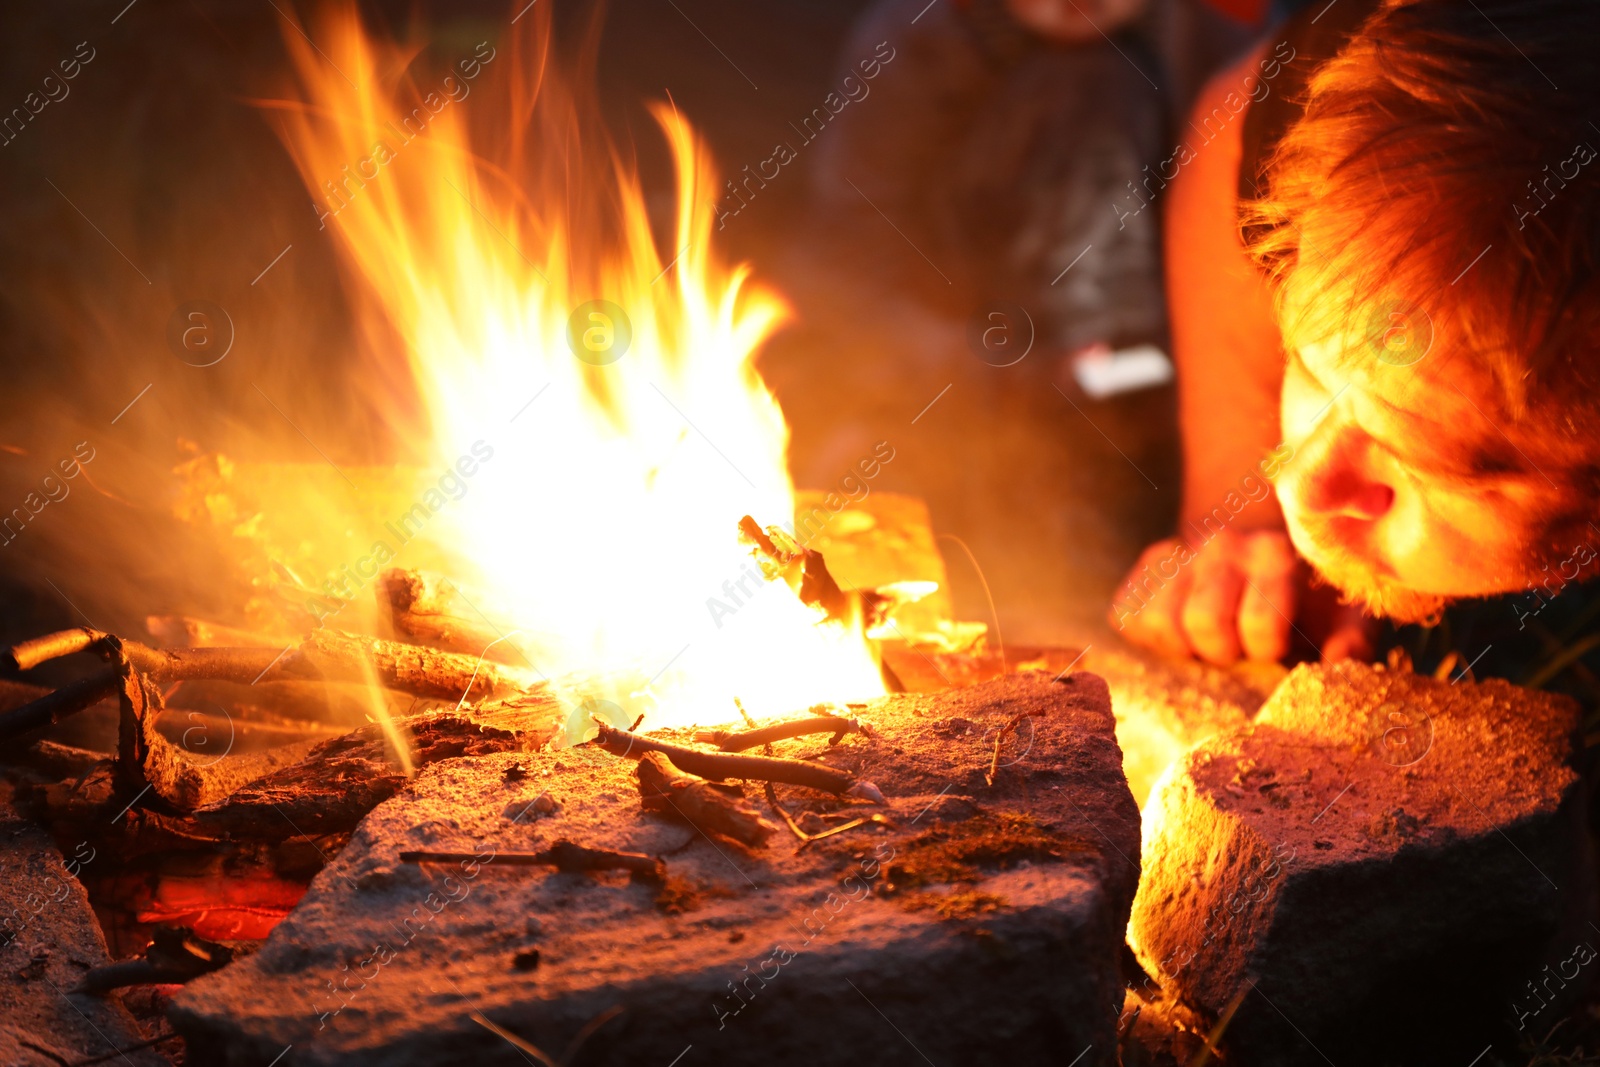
[1377,865]
[986,923]
[49,938]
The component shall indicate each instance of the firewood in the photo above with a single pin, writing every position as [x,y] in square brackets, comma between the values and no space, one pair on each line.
[425,672]
[719,766]
[173,957]
[806,572]
[145,758]
[328,654]
[708,806]
[429,610]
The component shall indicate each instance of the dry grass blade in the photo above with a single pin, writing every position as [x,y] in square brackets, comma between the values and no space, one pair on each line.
[1204,1056]
[526,1046]
[999,740]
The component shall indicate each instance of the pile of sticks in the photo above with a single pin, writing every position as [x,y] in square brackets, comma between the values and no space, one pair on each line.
[312,791]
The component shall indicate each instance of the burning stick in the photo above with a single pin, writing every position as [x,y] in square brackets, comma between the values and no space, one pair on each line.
[426,672]
[430,611]
[838,726]
[563,856]
[719,766]
[707,806]
[173,957]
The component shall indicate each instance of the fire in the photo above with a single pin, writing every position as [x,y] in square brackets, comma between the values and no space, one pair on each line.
[588,392]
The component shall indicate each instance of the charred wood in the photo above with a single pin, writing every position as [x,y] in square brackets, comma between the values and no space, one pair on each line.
[326,654]
[712,807]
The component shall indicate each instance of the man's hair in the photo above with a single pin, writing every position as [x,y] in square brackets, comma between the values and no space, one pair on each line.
[1448,163]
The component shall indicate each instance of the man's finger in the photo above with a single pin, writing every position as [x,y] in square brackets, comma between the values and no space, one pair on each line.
[1210,612]
[1148,605]
[1271,597]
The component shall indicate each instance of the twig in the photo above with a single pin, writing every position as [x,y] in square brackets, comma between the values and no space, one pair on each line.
[564,856]
[589,1030]
[838,726]
[26,655]
[423,672]
[720,766]
[772,799]
[98,981]
[1209,1041]
[999,739]
[804,570]
[516,1041]
[53,707]
[172,958]
[573,1046]
[426,609]
[882,820]
[805,838]
[709,806]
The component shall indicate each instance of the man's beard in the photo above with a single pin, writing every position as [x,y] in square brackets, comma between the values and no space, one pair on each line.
[1381,597]
[1359,582]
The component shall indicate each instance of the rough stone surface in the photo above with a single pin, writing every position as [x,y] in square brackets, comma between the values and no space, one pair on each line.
[1380,863]
[985,923]
[48,940]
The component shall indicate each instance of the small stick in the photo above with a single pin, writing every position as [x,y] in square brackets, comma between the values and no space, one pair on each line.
[53,707]
[707,806]
[517,1042]
[426,609]
[720,766]
[851,825]
[739,741]
[772,794]
[563,856]
[805,838]
[99,981]
[999,739]
[26,655]
[772,798]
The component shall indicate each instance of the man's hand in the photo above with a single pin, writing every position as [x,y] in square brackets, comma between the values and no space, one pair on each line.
[1240,596]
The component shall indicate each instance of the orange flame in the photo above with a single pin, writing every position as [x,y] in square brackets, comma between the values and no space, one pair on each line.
[593,399]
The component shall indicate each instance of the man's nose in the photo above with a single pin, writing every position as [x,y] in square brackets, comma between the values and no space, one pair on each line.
[1332,476]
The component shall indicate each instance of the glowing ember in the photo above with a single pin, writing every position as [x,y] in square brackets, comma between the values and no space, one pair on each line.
[596,392]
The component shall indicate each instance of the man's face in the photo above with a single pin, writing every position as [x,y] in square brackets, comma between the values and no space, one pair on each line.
[1407,488]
